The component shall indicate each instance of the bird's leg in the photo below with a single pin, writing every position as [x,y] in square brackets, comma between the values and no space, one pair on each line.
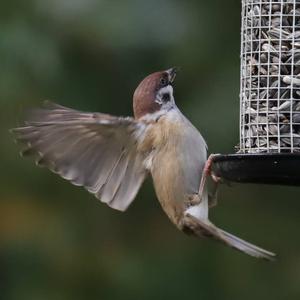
[213,195]
[208,172]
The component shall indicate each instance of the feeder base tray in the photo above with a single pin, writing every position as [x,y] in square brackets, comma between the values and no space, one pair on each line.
[266,168]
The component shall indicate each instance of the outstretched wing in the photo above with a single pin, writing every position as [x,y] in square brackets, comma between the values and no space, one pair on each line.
[93,150]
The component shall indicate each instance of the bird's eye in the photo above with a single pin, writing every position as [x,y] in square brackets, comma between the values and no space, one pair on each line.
[163,81]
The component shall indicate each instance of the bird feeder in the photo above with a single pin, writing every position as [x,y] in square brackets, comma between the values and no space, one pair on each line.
[269,147]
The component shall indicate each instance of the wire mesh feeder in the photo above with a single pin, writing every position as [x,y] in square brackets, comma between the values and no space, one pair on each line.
[269,148]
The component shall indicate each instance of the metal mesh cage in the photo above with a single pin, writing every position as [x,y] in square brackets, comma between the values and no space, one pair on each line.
[270,77]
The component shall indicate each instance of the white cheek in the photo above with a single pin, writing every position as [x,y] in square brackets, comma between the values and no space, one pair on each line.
[165,90]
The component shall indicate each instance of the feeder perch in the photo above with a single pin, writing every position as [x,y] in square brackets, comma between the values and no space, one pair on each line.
[269,148]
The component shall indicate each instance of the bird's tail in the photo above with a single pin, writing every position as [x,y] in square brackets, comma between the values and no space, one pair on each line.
[200,228]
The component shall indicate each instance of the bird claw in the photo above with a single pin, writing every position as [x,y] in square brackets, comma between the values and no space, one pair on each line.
[192,200]
[213,198]
[207,171]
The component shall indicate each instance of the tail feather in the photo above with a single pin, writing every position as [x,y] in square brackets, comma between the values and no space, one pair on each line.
[247,247]
[201,228]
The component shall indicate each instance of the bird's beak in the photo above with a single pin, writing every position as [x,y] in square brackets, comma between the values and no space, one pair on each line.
[172,73]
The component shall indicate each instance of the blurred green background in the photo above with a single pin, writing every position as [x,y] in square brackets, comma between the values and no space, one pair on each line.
[56,240]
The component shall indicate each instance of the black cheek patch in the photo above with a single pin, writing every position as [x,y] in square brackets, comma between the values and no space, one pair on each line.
[166,97]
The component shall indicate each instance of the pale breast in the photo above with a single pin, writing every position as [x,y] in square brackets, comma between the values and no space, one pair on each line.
[176,162]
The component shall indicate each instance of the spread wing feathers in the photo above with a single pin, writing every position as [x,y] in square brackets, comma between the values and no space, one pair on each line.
[201,228]
[93,150]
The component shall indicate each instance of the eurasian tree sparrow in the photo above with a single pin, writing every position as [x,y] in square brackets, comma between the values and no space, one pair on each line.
[111,156]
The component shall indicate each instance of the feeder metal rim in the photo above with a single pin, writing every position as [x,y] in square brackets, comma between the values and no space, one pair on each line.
[261,168]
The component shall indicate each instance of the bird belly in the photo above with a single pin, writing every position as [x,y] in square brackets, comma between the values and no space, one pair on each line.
[169,188]
[176,170]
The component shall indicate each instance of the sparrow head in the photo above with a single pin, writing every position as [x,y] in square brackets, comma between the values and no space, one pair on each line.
[154,93]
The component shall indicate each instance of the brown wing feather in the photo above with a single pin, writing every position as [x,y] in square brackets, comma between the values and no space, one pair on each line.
[94,150]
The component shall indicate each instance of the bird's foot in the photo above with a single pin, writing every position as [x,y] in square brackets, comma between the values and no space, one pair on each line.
[192,200]
[207,172]
[213,198]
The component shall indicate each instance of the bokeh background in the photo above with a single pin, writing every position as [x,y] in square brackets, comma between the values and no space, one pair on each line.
[56,240]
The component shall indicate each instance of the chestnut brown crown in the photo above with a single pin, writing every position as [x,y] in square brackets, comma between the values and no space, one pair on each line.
[145,97]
